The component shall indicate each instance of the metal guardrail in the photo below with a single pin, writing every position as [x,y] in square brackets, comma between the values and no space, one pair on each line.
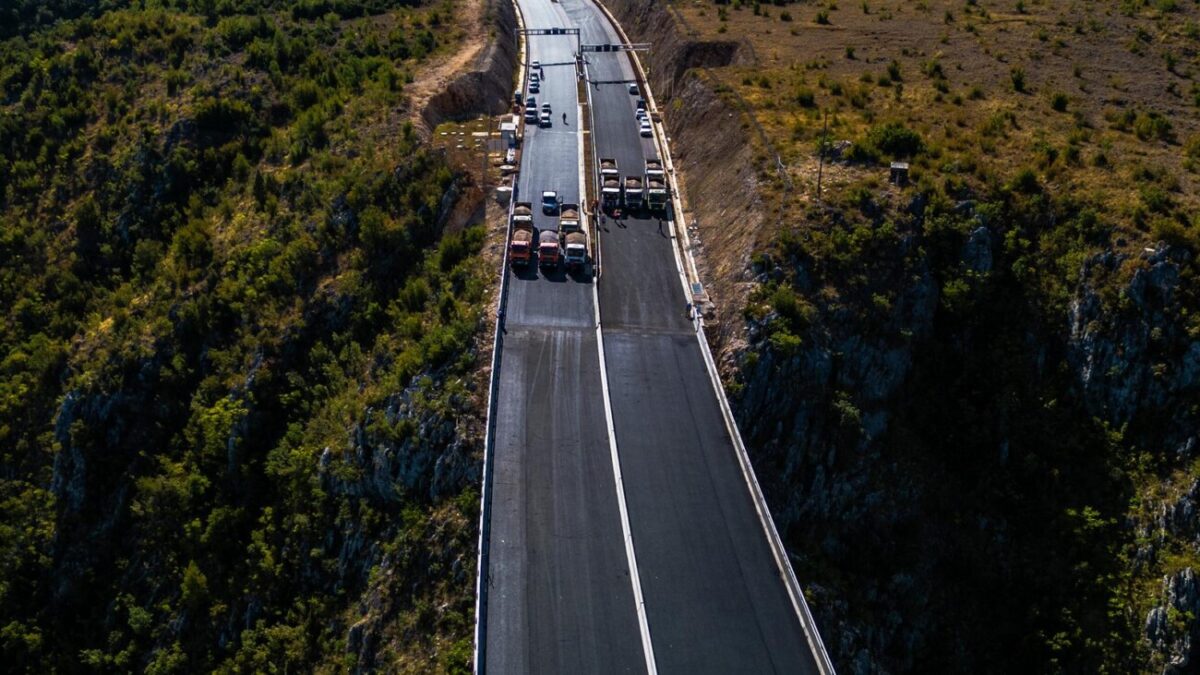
[489,448]
[489,443]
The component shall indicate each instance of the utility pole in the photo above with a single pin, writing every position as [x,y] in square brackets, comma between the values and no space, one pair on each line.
[821,152]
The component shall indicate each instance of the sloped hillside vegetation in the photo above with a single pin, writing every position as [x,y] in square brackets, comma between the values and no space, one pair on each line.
[235,366]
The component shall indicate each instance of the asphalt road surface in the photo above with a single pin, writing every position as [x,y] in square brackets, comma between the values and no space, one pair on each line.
[561,598]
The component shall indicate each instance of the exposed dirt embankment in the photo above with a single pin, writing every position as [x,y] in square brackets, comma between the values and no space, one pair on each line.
[477,79]
[712,150]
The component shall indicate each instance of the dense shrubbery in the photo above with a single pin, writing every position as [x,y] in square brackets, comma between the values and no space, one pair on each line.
[19,17]
[210,278]
[1032,570]
[892,141]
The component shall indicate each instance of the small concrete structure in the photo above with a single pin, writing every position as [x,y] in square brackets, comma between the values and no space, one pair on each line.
[899,174]
[508,131]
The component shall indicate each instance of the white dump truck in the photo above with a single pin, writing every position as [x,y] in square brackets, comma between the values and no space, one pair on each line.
[573,237]
[657,192]
[610,184]
[635,193]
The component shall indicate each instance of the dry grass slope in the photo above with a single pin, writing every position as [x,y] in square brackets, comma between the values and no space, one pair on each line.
[1096,99]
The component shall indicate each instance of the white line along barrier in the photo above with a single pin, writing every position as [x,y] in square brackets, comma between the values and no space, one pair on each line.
[489,442]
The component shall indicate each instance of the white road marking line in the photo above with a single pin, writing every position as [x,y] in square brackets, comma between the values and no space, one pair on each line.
[634,577]
[627,532]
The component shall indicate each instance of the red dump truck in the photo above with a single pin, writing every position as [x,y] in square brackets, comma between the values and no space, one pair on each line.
[549,249]
[573,237]
[610,184]
[520,250]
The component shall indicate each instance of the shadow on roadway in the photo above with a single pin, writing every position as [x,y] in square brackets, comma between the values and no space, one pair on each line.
[556,274]
[531,272]
[583,275]
[525,272]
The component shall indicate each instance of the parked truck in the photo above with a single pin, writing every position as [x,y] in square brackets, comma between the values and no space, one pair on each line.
[635,193]
[610,184]
[657,193]
[549,249]
[574,238]
[520,250]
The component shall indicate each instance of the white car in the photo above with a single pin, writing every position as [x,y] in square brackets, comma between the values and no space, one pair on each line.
[644,129]
[544,120]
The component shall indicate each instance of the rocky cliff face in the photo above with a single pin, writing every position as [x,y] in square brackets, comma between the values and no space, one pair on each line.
[433,458]
[816,418]
[844,433]
[1135,362]
[384,476]
[1171,627]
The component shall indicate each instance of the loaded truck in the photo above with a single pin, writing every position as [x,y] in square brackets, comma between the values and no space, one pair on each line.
[635,193]
[657,193]
[549,250]
[610,184]
[573,237]
[520,250]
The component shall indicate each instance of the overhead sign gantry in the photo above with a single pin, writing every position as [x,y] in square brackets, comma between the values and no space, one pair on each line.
[553,31]
[618,47]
